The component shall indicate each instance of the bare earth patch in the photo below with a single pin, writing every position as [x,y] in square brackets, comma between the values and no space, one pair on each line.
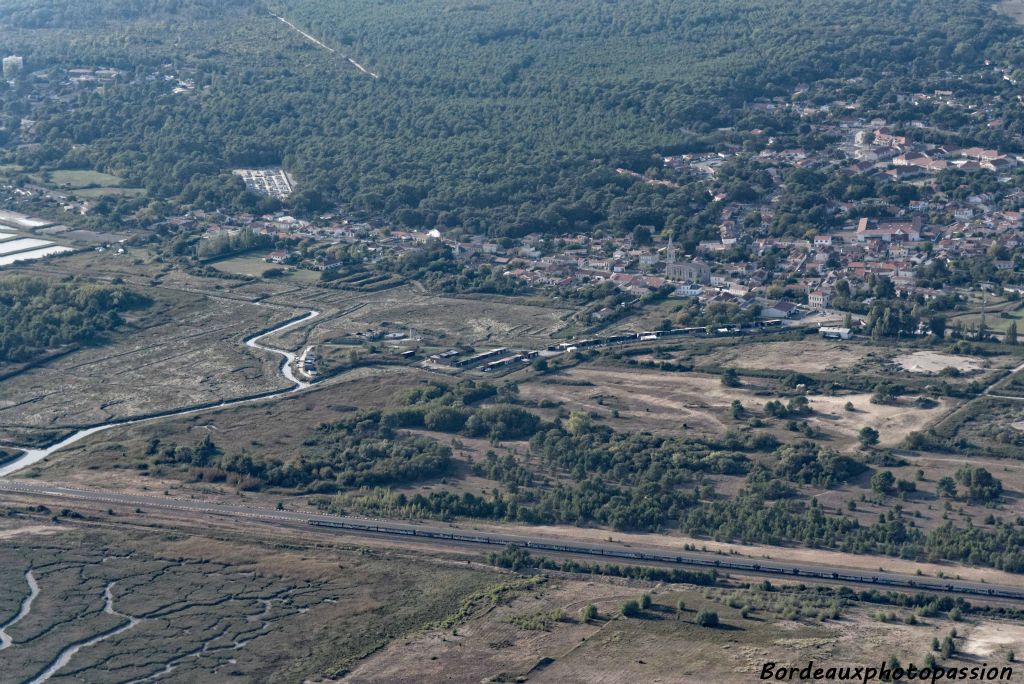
[989,638]
[649,400]
[893,423]
[809,355]
[29,530]
[934,362]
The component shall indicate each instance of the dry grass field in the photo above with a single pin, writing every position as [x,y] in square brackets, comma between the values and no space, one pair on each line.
[808,355]
[188,350]
[271,428]
[662,645]
[694,402]
[459,320]
[225,605]
[651,400]
[832,358]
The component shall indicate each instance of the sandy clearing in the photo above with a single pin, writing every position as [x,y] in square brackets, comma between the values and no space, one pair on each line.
[655,399]
[30,529]
[991,637]
[893,423]
[934,362]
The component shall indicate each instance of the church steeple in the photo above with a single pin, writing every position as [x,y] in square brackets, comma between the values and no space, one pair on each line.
[670,251]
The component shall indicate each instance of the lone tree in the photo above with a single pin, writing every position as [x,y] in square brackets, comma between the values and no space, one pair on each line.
[645,601]
[946,486]
[737,410]
[1011,334]
[730,378]
[707,618]
[868,436]
[588,613]
[579,423]
[948,647]
[631,608]
[883,482]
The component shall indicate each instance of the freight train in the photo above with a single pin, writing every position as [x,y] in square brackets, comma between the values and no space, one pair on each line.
[650,335]
[711,563]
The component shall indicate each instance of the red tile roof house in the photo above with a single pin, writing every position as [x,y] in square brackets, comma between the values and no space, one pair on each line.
[819,299]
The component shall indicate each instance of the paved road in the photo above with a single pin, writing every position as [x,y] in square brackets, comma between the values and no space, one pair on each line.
[988,390]
[449,536]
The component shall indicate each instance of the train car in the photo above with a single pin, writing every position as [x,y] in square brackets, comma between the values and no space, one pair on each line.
[716,563]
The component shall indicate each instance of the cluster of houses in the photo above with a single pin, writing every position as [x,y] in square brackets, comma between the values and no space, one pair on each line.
[784,276]
[908,160]
[891,248]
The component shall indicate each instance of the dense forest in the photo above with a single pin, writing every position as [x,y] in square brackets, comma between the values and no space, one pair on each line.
[487,116]
[37,315]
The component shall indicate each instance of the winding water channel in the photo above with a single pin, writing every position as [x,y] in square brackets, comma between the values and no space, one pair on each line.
[26,608]
[65,656]
[32,456]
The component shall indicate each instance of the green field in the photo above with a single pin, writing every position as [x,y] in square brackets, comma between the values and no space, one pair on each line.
[252,265]
[994,321]
[78,179]
[83,183]
[90,193]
